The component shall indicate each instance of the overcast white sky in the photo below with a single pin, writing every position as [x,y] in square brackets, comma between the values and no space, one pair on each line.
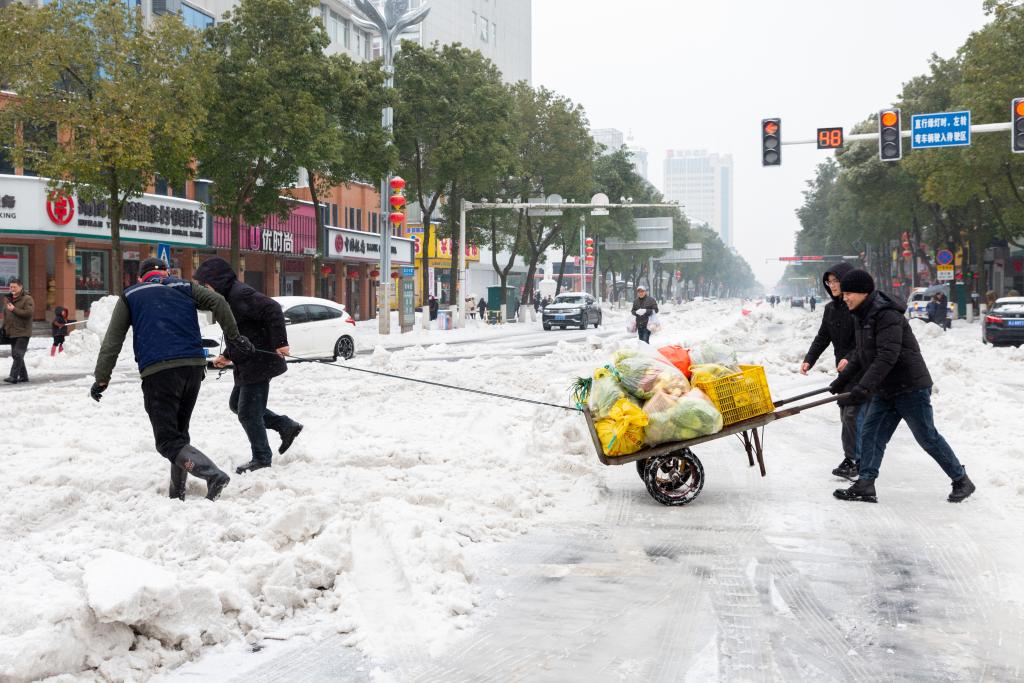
[683,74]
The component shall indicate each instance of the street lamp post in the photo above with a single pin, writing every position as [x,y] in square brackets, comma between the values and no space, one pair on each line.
[395,19]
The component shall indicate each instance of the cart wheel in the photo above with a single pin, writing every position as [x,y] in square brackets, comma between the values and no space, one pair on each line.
[674,479]
[641,467]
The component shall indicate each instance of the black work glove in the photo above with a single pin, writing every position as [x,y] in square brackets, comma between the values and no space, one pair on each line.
[837,385]
[859,394]
[242,343]
[96,392]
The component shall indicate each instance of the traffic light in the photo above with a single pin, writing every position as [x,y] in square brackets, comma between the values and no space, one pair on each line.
[890,148]
[1017,131]
[771,142]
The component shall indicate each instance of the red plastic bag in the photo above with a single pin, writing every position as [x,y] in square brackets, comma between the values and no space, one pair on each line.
[678,356]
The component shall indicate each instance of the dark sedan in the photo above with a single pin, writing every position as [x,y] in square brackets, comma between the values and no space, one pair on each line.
[1004,324]
[572,308]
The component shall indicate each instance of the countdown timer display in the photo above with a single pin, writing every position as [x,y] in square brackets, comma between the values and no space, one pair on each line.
[830,138]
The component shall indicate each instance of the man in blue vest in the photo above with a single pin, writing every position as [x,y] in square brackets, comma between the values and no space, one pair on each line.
[161,310]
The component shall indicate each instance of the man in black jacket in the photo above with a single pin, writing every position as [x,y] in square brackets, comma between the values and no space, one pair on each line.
[893,373]
[644,307]
[261,320]
[837,329]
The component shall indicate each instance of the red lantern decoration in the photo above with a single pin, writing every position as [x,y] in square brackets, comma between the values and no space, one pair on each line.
[394,274]
[907,253]
[397,184]
[589,241]
[353,274]
[590,250]
[590,260]
[325,270]
[397,201]
[397,217]
[375,273]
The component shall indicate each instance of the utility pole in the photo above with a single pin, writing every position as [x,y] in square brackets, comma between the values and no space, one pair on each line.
[389,25]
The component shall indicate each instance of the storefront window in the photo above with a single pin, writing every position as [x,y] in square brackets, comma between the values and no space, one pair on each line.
[13,264]
[92,277]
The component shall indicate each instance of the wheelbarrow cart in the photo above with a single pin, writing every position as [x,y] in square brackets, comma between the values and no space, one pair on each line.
[674,475]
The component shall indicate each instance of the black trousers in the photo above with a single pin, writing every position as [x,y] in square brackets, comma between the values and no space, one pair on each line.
[18,349]
[170,396]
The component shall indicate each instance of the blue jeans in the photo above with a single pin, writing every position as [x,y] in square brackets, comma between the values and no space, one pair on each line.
[249,402]
[644,334]
[883,415]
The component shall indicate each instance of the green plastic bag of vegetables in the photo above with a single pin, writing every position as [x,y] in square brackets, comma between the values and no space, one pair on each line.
[680,418]
[605,392]
[643,374]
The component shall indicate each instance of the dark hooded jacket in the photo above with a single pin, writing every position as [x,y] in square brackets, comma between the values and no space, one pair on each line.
[836,325]
[259,318]
[887,358]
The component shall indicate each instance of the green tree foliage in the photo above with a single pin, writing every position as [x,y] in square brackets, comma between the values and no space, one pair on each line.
[103,103]
[267,112]
[451,129]
[352,145]
[962,197]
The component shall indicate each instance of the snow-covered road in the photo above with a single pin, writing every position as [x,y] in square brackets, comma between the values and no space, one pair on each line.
[417,535]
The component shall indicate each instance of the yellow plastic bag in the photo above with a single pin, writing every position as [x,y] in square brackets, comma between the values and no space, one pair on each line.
[708,372]
[622,432]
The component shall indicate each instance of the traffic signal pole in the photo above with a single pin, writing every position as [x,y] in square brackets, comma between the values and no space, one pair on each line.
[975,128]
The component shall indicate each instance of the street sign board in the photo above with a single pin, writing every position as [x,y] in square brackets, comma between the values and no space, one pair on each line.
[945,129]
[163,252]
[408,272]
[693,253]
[944,257]
[945,273]
[651,233]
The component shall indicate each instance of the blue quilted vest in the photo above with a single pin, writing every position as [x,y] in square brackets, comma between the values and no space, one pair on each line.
[164,321]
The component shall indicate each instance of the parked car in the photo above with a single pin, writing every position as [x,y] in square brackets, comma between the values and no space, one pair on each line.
[1004,324]
[917,305]
[572,308]
[317,328]
[796,302]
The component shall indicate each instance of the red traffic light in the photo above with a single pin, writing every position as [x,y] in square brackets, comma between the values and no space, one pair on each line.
[771,128]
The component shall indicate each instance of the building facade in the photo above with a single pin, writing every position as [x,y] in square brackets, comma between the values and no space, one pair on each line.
[702,183]
[613,140]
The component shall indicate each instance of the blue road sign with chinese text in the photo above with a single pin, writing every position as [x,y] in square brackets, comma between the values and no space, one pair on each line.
[946,129]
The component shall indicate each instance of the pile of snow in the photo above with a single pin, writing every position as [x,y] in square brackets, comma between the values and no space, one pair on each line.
[365,526]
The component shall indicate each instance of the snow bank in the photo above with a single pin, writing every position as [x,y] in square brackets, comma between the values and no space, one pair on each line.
[364,527]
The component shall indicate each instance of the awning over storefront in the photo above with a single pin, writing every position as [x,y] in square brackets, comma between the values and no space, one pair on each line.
[359,246]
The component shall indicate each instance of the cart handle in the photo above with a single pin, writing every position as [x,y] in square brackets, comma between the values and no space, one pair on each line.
[813,404]
[784,401]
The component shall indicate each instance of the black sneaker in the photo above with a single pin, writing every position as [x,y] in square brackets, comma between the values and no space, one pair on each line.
[251,466]
[288,437]
[962,489]
[10,380]
[847,469]
[863,490]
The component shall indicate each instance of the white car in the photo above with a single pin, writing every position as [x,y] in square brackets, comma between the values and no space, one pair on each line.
[317,328]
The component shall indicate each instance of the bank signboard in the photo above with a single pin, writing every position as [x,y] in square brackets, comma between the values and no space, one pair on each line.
[356,245]
[29,206]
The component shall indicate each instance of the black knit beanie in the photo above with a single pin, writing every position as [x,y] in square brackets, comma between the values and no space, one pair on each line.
[857,281]
[151,264]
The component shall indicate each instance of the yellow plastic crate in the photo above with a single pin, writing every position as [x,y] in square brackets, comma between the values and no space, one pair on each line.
[740,396]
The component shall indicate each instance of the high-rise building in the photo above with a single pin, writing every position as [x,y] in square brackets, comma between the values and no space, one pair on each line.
[702,183]
[614,140]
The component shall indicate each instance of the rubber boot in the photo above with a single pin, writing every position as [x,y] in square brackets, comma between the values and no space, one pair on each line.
[53,351]
[178,479]
[195,462]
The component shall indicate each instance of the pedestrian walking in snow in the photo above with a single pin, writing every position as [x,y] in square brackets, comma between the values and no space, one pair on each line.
[482,307]
[261,321]
[432,304]
[18,309]
[161,310]
[59,329]
[813,302]
[837,329]
[892,372]
[644,307]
